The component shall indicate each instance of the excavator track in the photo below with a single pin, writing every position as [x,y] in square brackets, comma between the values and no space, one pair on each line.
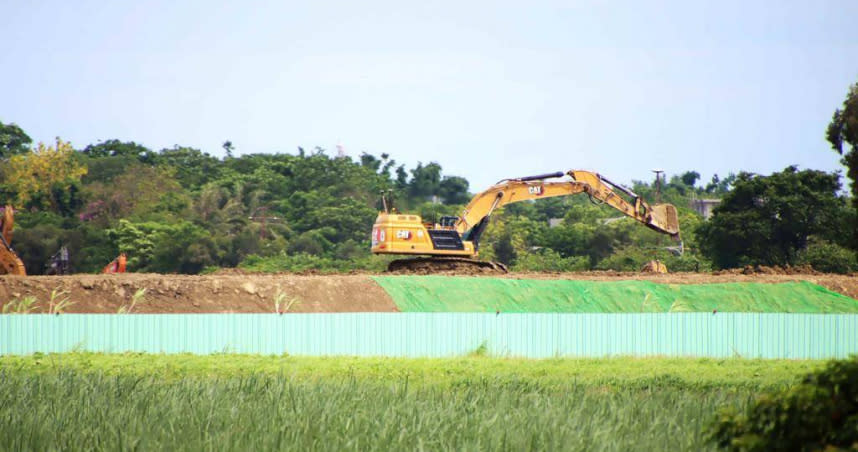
[432,265]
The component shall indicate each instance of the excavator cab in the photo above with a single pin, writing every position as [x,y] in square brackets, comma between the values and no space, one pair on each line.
[447,222]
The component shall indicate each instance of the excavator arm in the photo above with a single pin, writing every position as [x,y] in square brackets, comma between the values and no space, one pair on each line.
[475,217]
[10,263]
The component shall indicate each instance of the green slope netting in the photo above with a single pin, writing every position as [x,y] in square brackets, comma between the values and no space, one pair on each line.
[464,294]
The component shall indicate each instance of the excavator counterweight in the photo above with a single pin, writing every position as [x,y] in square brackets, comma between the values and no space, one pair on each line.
[455,241]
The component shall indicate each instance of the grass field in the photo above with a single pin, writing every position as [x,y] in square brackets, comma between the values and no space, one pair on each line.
[236,402]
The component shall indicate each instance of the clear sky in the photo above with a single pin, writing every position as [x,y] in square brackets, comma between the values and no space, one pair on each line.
[489,90]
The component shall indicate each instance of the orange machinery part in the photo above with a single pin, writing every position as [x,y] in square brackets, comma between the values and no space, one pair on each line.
[116,265]
[10,263]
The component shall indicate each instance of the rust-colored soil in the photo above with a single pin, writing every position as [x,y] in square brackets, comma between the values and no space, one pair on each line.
[234,291]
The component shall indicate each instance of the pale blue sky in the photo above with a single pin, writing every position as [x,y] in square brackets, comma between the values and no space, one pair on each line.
[488,89]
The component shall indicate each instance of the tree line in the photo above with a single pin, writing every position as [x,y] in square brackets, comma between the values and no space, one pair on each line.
[183,210]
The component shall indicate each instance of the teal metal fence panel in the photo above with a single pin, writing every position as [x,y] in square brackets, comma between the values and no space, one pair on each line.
[793,336]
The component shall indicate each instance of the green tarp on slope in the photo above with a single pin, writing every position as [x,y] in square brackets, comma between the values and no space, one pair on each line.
[468,294]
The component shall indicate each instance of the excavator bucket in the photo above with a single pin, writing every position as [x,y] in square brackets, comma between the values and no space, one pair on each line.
[10,263]
[654,267]
[663,217]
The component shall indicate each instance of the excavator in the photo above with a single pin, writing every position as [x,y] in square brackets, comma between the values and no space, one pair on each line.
[453,243]
[10,263]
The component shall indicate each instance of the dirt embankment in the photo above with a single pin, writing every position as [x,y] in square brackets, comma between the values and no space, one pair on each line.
[202,294]
[237,292]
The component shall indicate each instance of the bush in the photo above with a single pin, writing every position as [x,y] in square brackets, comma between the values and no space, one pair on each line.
[547,259]
[631,259]
[285,262]
[687,263]
[821,413]
[182,247]
[828,257]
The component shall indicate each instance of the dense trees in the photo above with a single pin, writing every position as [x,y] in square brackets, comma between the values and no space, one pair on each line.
[791,217]
[183,210]
[690,178]
[842,133]
[46,178]
[769,219]
[13,140]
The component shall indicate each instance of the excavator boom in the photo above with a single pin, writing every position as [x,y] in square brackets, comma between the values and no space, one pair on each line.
[660,217]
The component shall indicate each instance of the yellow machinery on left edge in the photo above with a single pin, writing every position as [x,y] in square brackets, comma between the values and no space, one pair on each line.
[453,242]
[10,263]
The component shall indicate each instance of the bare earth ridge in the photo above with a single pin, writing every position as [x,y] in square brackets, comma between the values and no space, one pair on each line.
[234,291]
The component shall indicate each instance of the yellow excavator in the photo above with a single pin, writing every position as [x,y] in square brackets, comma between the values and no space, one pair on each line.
[453,243]
[10,263]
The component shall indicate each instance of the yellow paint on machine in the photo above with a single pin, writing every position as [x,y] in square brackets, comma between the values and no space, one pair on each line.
[395,233]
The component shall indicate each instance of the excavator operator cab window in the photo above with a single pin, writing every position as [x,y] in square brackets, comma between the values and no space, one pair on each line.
[448,221]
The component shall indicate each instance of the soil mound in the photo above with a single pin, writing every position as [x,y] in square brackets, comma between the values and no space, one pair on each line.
[238,291]
[229,292]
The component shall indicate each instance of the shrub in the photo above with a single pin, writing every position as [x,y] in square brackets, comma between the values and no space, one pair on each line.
[550,260]
[820,413]
[687,263]
[631,259]
[828,257]
[302,262]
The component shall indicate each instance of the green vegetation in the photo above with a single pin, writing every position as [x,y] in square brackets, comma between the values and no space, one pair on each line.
[284,262]
[842,133]
[821,413]
[455,294]
[59,301]
[770,220]
[138,297]
[20,306]
[69,411]
[235,402]
[183,210]
[639,373]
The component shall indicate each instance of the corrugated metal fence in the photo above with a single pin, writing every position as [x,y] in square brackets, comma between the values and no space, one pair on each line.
[440,334]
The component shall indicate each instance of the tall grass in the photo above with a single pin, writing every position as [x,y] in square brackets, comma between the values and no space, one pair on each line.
[86,401]
[72,410]
[616,373]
